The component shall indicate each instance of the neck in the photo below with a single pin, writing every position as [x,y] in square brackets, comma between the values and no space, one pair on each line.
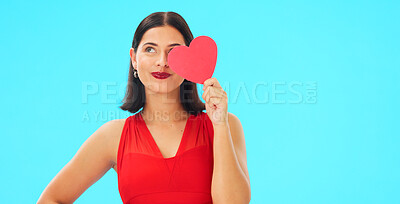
[163,107]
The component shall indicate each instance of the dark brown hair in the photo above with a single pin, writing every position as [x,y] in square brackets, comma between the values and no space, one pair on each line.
[135,97]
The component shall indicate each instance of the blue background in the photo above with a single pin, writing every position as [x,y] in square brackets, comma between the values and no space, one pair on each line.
[314,83]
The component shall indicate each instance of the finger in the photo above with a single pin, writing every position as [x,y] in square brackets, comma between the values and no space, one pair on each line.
[215,100]
[213,91]
[205,94]
[209,98]
[216,91]
[212,82]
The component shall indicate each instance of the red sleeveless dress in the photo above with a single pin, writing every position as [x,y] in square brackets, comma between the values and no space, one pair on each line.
[145,176]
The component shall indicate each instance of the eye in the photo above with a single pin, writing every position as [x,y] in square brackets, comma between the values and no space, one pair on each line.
[148,48]
[170,50]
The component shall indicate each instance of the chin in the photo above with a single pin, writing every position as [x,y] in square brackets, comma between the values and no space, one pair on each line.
[161,88]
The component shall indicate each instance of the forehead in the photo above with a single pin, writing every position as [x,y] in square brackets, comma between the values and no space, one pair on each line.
[163,36]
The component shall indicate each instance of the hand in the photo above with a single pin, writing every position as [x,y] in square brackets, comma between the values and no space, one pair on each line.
[216,102]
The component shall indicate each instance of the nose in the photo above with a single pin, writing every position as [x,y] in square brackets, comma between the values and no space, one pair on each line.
[163,60]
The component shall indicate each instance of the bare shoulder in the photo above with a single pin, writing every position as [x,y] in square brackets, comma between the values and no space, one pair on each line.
[236,128]
[112,131]
[234,121]
[111,126]
[93,159]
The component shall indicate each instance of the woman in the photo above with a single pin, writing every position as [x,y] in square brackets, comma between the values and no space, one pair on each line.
[170,151]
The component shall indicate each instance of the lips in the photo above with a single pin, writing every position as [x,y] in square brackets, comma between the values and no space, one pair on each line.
[160,75]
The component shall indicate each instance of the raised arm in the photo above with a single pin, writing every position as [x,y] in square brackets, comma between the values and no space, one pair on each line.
[93,159]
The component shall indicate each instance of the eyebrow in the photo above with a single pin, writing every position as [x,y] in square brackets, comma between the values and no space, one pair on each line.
[151,43]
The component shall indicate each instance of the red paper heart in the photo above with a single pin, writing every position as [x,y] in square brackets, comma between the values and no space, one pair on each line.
[197,62]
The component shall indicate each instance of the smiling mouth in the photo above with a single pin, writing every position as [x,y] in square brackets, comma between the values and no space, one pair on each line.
[160,75]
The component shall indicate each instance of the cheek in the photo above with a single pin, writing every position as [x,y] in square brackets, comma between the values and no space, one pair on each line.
[145,61]
[178,79]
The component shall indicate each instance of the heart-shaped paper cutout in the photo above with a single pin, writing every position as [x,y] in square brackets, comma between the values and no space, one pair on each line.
[197,62]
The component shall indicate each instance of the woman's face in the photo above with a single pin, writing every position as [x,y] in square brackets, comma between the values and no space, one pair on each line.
[152,55]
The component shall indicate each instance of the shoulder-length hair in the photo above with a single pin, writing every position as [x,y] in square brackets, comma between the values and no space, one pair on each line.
[135,96]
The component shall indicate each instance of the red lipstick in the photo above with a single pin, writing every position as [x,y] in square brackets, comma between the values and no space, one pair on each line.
[160,75]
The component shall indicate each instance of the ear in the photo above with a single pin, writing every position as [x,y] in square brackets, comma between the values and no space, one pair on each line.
[133,58]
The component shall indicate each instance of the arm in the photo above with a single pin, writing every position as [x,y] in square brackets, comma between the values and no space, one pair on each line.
[90,163]
[231,182]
